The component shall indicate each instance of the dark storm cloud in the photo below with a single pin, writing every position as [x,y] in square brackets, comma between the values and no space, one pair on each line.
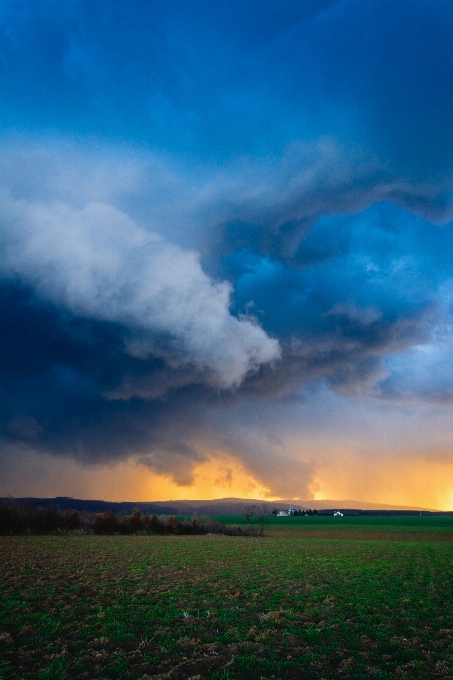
[272,209]
[220,80]
[57,372]
[373,285]
[77,383]
[378,73]
[271,206]
[177,76]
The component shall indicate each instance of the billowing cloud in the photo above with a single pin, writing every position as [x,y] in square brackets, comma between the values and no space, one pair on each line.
[216,230]
[271,206]
[96,263]
[143,338]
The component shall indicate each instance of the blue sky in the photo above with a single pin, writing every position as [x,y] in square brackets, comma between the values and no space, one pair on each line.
[227,226]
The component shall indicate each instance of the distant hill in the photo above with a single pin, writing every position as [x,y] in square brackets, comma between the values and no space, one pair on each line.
[124,508]
[236,506]
[220,506]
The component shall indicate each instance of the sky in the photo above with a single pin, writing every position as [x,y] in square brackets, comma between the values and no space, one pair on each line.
[227,249]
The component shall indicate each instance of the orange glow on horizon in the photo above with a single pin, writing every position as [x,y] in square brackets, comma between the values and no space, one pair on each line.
[50,476]
[417,483]
[215,478]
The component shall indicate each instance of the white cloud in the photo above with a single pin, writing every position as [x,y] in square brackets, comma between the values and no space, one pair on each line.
[96,262]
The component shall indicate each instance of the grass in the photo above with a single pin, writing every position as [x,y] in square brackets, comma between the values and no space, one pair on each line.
[380,527]
[225,607]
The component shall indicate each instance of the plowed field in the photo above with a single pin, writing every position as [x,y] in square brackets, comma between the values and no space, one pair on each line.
[224,607]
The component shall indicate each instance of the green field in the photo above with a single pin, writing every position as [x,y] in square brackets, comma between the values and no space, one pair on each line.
[356,526]
[229,607]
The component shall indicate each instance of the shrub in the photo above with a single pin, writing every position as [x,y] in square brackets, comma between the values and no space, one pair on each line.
[71,520]
[135,521]
[172,526]
[10,520]
[46,519]
[105,523]
[153,525]
[24,517]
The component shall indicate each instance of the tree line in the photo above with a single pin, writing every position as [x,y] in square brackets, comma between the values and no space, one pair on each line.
[296,513]
[23,518]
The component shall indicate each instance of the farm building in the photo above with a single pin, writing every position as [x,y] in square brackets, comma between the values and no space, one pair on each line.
[286,513]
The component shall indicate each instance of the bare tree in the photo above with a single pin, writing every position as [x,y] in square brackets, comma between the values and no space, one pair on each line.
[249,511]
[262,518]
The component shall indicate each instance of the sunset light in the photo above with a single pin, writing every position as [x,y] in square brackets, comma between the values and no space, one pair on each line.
[227,247]
[226,353]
